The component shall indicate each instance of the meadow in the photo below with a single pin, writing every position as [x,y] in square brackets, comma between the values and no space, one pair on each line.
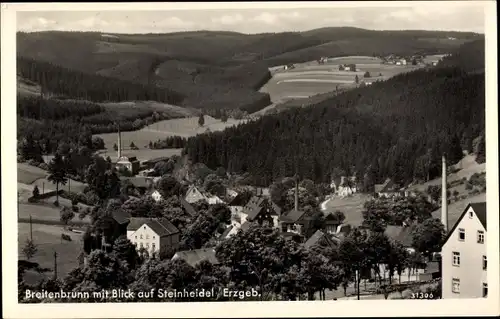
[184,127]
[48,240]
[352,207]
[310,78]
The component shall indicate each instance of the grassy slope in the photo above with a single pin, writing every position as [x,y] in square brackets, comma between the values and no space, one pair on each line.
[48,240]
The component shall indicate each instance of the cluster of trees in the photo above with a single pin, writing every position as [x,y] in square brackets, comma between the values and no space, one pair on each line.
[259,258]
[75,84]
[380,212]
[398,128]
[169,142]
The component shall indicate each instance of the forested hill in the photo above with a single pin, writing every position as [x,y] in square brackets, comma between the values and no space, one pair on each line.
[211,70]
[469,57]
[398,128]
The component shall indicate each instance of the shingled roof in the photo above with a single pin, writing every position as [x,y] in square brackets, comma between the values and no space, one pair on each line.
[253,208]
[188,208]
[292,216]
[480,211]
[121,216]
[162,227]
[194,257]
[318,237]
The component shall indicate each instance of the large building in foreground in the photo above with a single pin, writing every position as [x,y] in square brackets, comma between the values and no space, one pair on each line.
[464,260]
[464,257]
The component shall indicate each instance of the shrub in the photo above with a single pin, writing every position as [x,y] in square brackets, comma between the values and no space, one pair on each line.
[43,166]
[56,203]
[65,237]
[32,162]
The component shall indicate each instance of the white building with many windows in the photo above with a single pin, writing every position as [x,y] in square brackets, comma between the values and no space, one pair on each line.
[154,235]
[464,259]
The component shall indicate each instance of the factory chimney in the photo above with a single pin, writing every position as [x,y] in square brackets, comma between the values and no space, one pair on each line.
[444,198]
[296,192]
[119,143]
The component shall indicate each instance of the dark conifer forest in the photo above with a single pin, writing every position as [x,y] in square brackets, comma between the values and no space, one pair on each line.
[398,128]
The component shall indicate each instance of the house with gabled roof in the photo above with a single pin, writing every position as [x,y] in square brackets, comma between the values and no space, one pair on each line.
[320,238]
[259,209]
[464,255]
[153,234]
[188,208]
[388,189]
[194,194]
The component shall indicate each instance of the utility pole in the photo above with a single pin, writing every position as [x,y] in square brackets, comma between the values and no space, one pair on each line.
[31,229]
[55,264]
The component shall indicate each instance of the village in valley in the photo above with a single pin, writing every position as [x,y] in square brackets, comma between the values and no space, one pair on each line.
[365,191]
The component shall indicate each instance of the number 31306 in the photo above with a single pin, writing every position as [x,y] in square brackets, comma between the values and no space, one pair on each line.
[422,295]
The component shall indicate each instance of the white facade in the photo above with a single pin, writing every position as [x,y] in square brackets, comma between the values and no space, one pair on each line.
[193,195]
[156,196]
[214,200]
[463,257]
[237,215]
[145,237]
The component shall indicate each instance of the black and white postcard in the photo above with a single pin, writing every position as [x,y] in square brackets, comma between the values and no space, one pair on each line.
[248,159]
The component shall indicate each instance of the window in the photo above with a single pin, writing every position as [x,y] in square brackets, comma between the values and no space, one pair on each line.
[153,237]
[455,285]
[144,227]
[147,245]
[471,214]
[480,237]
[461,234]
[485,263]
[154,246]
[141,236]
[135,237]
[485,290]
[456,258]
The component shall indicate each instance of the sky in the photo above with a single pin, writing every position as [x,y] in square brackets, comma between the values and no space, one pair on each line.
[446,16]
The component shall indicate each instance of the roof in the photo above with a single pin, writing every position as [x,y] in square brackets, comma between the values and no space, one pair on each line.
[432,267]
[162,227]
[246,226]
[239,200]
[188,208]
[139,181]
[387,186]
[293,216]
[121,216]
[456,209]
[276,208]
[480,211]
[194,257]
[226,232]
[253,207]
[400,234]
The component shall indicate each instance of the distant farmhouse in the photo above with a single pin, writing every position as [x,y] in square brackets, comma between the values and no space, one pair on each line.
[344,186]
[388,189]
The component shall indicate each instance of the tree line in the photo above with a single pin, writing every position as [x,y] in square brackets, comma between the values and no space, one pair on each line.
[398,128]
[93,87]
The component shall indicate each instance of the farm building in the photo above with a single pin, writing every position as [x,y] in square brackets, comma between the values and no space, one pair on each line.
[194,194]
[258,209]
[388,189]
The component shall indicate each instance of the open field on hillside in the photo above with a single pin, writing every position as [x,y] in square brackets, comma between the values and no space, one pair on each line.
[31,176]
[185,127]
[27,174]
[310,78]
[45,213]
[48,240]
[457,208]
[352,207]
[468,166]
[142,154]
